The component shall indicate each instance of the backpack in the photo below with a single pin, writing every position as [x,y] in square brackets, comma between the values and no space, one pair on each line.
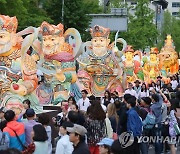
[3,143]
[149,121]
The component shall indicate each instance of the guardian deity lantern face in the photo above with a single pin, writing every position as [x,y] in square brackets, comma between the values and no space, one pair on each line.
[8,27]
[129,53]
[153,54]
[52,38]
[100,41]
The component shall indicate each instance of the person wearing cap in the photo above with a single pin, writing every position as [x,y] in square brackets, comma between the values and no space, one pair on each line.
[77,137]
[105,146]
[64,146]
[30,114]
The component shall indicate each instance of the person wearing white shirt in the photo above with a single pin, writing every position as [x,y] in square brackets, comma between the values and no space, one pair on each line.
[64,146]
[174,83]
[107,98]
[131,91]
[84,102]
[144,92]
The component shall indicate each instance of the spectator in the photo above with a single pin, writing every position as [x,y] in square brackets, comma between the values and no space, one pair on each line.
[105,146]
[73,117]
[3,121]
[116,148]
[107,98]
[134,125]
[40,144]
[137,86]
[14,130]
[44,120]
[158,85]
[122,124]
[81,119]
[83,103]
[26,105]
[30,114]
[62,116]
[71,101]
[131,91]
[172,133]
[174,83]
[77,137]
[4,141]
[96,126]
[10,151]
[156,108]
[64,146]
[113,117]
[169,87]
[115,96]
[144,92]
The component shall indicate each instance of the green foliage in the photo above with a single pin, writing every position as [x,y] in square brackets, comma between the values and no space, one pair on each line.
[27,12]
[171,26]
[75,13]
[142,31]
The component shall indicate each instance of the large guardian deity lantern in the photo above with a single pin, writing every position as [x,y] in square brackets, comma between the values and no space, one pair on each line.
[100,63]
[10,61]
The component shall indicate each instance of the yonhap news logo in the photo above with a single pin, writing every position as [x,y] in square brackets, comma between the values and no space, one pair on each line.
[126,139]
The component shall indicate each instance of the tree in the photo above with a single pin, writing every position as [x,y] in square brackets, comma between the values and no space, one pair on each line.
[75,13]
[27,12]
[142,31]
[170,26]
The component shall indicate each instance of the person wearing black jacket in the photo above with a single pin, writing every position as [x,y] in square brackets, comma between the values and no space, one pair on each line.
[77,137]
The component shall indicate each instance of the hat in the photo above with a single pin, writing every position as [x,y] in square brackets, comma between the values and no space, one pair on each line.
[137,81]
[106,141]
[3,109]
[77,129]
[99,31]
[159,77]
[30,112]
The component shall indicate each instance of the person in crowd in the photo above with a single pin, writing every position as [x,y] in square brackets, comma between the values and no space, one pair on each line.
[96,126]
[83,103]
[62,116]
[131,91]
[81,118]
[77,137]
[73,117]
[107,98]
[115,96]
[156,108]
[30,114]
[116,148]
[174,82]
[26,105]
[172,133]
[105,146]
[4,141]
[14,130]
[144,92]
[3,121]
[113,117]
[71,101]
[145,104]
[10,151]
[122,123]
[137,86]
[158,85]
[169,87]
[134,125]
[44,120]
[64,146]
[39,144]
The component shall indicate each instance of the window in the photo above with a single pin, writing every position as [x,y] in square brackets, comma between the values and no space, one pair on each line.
[175,14]
[175,4]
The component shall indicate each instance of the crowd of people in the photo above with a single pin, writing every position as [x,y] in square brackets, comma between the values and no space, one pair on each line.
[95,125]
